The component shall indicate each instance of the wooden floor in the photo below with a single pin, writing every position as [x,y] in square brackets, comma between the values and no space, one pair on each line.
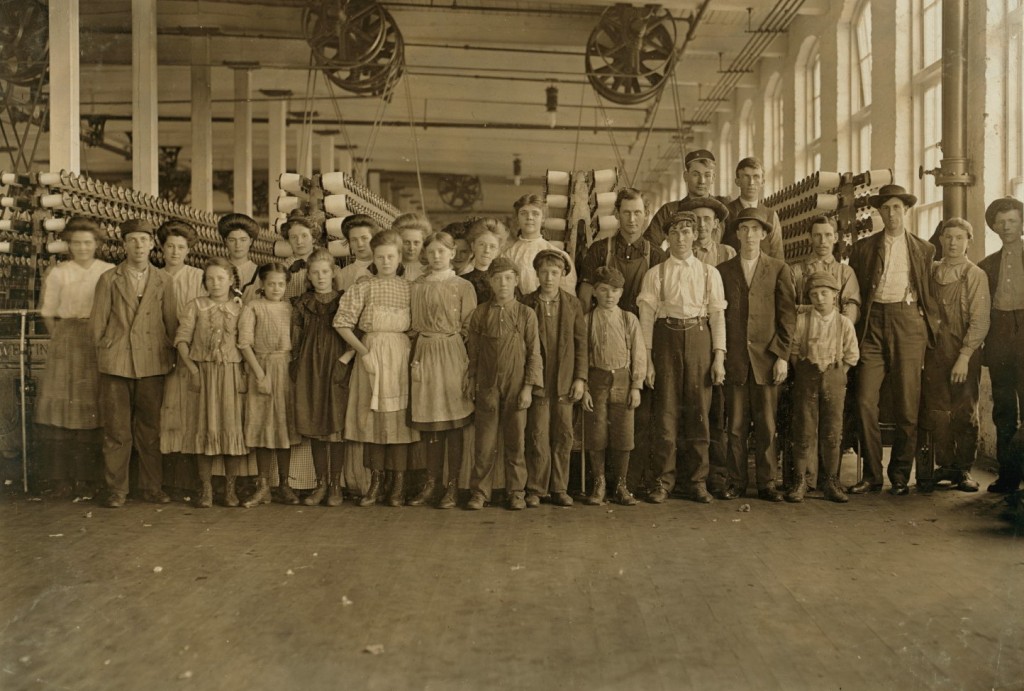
[882,593]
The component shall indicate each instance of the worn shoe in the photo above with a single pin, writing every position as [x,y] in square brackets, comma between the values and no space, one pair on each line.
[728,493]
[834,491]
[317,496]
[532,500]
[967,483]
[596,496]
[334,496]
[155,496]
[286,495]
[925,486]
[476,502]
[946,475]
[114,500]
[373,493]
[899,489]
[1003,486]
[260,496]
[770,494]
[396,497]
[516,501]
[561,499]
[700,495]
[623,497]
[450,496]
[426,494]
[205,498]
[658,495]
[230,497]
[863,487]
[796,494]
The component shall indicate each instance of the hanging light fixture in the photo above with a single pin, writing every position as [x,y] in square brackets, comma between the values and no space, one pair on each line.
[552,105]
[517,170]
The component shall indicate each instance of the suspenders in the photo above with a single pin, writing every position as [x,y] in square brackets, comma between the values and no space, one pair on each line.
[707,287]
[609,252]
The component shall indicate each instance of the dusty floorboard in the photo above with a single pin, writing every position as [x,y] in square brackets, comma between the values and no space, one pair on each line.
[882,593]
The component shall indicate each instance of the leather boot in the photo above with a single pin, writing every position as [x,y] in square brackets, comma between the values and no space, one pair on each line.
[373,493]
[286,493]
[334,497]
[396,497]
[623,496]
[261,495]
[230,498]
[427,493]
[205,498]
[796,495]
[834,491]
[596,496]
[318,494]
[450,497]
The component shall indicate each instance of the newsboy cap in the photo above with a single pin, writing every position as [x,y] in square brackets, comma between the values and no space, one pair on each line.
[821,279]
[137,225]
[999,206]
[502,264]
[698,155]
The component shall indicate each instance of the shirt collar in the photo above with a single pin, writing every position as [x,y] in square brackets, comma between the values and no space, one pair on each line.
[689,261]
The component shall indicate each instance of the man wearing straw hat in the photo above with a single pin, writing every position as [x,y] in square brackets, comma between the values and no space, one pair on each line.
[899,321]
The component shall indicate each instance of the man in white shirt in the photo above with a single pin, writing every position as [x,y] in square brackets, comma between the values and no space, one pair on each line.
[681,316]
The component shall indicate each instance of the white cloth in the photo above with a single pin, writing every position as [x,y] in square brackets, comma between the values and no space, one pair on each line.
[894,286]
[749,266]
[523,251]
[685,285]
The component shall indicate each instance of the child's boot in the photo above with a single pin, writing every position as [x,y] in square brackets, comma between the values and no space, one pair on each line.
[450,497]
[318,494]
[286,493]
[427,493]
[796,495]
[596,497]
[373,493]
[205,498]
[396,497]
[230,497]
[623,496]
[334,497]
[261,495]
[834,491]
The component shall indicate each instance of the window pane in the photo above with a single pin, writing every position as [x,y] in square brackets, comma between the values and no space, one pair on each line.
[862,44]
[931,31]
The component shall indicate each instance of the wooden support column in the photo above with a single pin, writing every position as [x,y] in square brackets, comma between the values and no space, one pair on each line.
[305,151]
[277,158]
[326,149]
[145,152]
[243,139]
[343,161]
[65,121]
[202,126]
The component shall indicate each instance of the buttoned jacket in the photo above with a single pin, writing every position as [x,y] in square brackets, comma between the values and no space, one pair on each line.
[134,343]
[571,360]
[867,259]
[760,319]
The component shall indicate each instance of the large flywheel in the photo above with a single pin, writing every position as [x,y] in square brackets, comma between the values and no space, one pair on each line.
[356,43]
[631,52]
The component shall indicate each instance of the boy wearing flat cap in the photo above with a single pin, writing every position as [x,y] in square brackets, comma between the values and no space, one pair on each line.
[504,367]
[134,317]
[898,323]
[563,347]
[700,175]
[1005,341]
[617,367]
[824,349]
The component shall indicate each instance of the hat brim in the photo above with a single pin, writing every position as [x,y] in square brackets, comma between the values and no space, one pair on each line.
[734,224]
[876,200]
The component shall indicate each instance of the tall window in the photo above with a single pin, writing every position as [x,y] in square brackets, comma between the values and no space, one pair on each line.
[860,98]
[773,132]
[807,97]
[1014,98]
[726,162]
[927,84]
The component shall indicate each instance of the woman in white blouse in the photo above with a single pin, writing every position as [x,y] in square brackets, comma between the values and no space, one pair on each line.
[68,408]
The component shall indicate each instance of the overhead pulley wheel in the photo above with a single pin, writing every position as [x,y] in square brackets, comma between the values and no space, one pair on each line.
[460,192]
[631,52]
[24,30]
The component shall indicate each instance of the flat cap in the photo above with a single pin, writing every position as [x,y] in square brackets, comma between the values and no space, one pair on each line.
[137,225]
[999,206]
[502,264]
[698,155]
[821,279]
[609,275]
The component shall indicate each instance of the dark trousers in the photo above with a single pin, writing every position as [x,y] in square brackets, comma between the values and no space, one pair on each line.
[949,412]
[818,399]
[719,437]
[494,412]
[757,403]
[893,346]
[131,416]
[1004,355]
[682,396]
[548,444]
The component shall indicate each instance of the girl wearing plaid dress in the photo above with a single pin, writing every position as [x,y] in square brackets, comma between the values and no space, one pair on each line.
[379,393]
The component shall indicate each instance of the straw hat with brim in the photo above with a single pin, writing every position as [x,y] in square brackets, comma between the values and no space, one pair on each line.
[888,192]
[1001,205]
[762,216]
[694,203]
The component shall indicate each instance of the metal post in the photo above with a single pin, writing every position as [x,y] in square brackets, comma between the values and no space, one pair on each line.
[954,174]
